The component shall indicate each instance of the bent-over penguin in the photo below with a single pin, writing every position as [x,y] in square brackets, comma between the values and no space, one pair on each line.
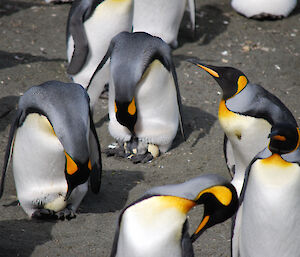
[156,225]
[267,222]
[246,113]
[91,26]
[144,98]
[55,150]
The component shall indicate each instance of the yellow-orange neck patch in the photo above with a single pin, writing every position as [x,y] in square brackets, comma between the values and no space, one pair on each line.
[182,204]
[132,107]
[70,164]
[223,110]
[222,193]
[210,71]
[275,159]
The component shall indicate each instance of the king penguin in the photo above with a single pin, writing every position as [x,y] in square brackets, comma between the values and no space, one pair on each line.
[264,9]
[91,26]
[246,113]
[267,222]
[144,98]
[156,225]
[162,18]
[55,150]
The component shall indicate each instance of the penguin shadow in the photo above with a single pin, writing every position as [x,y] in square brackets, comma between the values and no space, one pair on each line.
[8,60]
[8,106]
[8,7]
[20,237]
[115,187]
[210,22]
[194,119]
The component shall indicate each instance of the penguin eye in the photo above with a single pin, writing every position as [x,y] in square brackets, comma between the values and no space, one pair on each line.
[242,82]
[131,107]
[222,193]
[71,166]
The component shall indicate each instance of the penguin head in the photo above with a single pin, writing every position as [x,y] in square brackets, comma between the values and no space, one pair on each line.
[76,173]
[218,196]
[284,138]
[231,80]
[126,113]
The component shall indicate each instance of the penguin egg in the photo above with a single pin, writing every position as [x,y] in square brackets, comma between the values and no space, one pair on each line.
[153,149]
[57,204]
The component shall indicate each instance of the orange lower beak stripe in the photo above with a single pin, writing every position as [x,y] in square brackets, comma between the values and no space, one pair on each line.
[202,224]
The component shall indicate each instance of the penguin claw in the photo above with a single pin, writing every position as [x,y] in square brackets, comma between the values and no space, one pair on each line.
[66,213]
[141,158]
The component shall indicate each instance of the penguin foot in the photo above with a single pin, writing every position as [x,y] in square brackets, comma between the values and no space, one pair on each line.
[66,213]
[141,158]
[46,214]
[267,16]
[117,151]
[43,214]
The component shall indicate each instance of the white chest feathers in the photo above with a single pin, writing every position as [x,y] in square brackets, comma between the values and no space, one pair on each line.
[38,165]
[271,210]
[152,228]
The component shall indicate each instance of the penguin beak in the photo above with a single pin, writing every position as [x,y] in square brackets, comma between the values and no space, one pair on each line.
[220,203]
[207,68]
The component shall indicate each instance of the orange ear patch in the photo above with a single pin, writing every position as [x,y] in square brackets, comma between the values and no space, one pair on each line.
[242,82]
[222,193]
[132,107]
[70,165]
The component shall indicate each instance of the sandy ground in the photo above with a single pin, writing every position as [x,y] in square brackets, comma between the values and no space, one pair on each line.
[32,50]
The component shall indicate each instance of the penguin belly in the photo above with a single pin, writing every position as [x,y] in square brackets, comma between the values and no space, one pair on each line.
[250,8]
[159,18]
[247,135]
[157,109]
[38,166]
[109,18]
[270,223]
[149,230]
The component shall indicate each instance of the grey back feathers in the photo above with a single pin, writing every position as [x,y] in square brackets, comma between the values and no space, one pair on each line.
[257,102]
[189,189]
[66,105]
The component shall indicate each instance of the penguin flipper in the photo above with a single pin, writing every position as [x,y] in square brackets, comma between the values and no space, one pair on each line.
[178,100]
[76,29]
[186,243]
[8,151]
[229,156]
[95,157]
[192,11]
[164,56]
[103,61]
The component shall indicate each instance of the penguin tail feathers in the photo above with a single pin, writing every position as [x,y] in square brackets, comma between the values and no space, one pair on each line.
[8,151]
